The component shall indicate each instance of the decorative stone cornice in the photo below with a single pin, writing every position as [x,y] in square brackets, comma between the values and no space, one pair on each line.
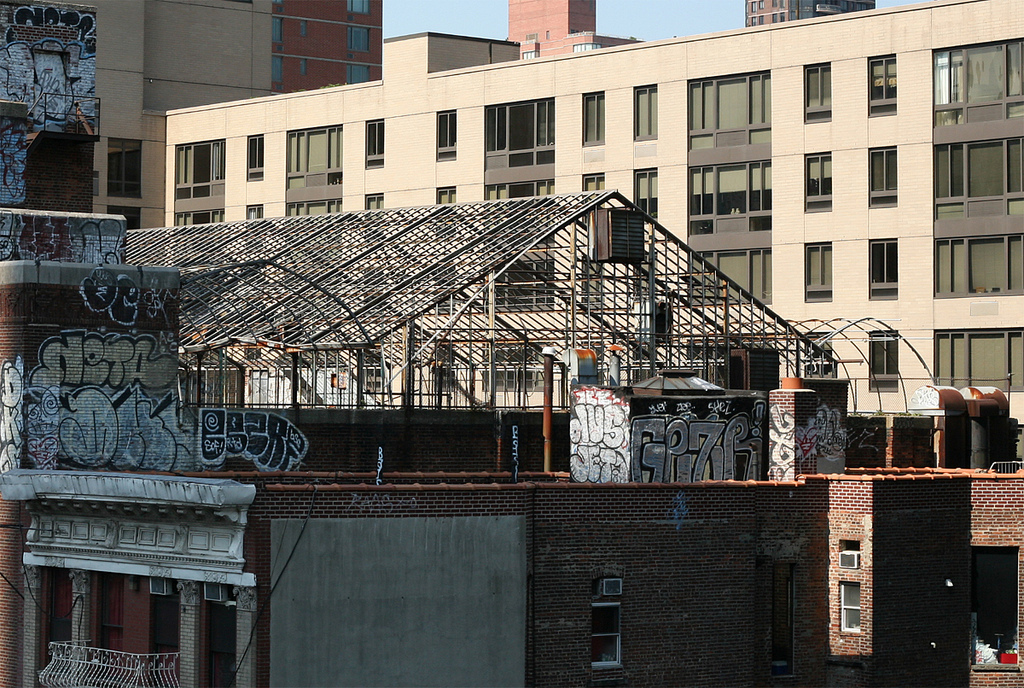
[190,528]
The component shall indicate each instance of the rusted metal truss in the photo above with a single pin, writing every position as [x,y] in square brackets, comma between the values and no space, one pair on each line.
[448,305]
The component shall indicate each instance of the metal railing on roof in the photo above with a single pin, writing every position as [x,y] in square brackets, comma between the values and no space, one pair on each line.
[80,666]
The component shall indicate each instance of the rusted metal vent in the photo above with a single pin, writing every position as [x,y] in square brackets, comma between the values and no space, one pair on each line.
[620,236]
[675,382]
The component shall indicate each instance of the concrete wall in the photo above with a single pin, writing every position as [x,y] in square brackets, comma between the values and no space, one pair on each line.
[399,602]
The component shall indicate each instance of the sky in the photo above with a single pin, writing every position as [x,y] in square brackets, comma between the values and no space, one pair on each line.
[646,19]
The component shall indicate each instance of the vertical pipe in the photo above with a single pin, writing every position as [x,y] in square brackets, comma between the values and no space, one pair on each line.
[295,380]
[549,386]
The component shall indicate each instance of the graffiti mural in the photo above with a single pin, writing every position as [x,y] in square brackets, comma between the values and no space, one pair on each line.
[120,298]
[109,401]
[599,433]
[696,439]
[782,434]
[83,239]
[54,75]
[815,446]
[12,423]
[13,150]
[271,442]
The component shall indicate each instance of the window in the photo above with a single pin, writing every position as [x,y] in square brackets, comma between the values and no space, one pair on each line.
[255,158]
[585,47]
[132,215]
[112,611]
[734,111]
[982,179]
[203,217]
[253,212]
[313,208]
[302,27]
[375,144]
[849,594]
[980,357]
[277,69]
[314,158]
[605,642]
[645,113]
[818,93]
[124,168]
[728,198]
[358,39]
[520,135]
[359,6]
[993,602]
[646,191]
[593,119]
[374,201]
[447,135]
[819,182]
[884,361]
[446,195]
[882,85]
[593,182]
[818,272]
[783,606]
[544,187]
[883,178]
[979,265]
[199,170]
[530,54]
[164,615]
[884,269]
[277,29]
[751,269]
[357,74]
[979,84]
[222,631]
[302,66]
[61,606]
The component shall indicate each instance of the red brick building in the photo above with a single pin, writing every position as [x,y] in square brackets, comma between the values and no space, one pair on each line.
[316,43]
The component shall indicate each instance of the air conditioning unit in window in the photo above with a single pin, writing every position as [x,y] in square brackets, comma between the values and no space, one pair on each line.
[849,560]
[611,586]
[215,592]
[161,586]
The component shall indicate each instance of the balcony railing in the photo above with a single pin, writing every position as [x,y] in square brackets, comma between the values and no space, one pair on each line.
[66,114]
[79,666]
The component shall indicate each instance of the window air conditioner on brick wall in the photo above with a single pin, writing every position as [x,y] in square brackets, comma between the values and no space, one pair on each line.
[611,586]
[849,560]
[215,592]
[161,586]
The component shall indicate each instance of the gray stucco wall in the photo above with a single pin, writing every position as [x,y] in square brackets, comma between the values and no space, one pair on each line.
[399,602]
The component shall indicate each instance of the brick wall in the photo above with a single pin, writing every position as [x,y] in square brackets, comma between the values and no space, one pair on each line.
[58,176]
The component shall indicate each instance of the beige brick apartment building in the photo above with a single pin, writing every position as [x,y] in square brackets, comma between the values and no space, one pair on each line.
[786,153]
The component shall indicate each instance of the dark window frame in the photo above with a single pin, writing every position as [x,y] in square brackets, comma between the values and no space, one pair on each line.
[952,84]
[124,168]
[818,92]
[883,361]
[648,202]
[883,177]
[359,39]
[819,186]
[645,128]
[593,119]
[254,158]
[299,173]
[520,134]
[955,273]
[709,207]
[757,279]
[447,135]
[187,167]
[882,77]
[954,363]
[706,129]
[374,144]
[883,269]
[819,277]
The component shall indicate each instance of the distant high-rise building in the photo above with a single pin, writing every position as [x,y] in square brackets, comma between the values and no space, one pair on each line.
[552,27]
[317,43]
[774,11]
